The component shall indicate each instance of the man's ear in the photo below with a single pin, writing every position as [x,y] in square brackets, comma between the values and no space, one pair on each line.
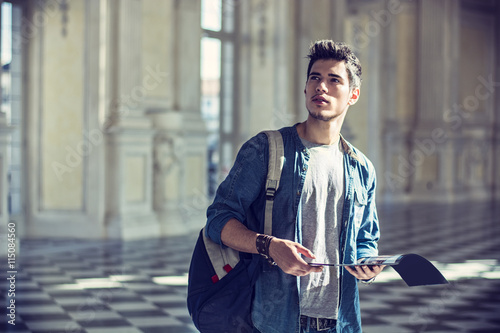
[354,96]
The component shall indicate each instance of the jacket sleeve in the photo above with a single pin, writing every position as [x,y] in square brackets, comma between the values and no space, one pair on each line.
[241,187]
[369,231]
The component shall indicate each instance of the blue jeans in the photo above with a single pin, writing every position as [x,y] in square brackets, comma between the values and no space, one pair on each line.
[303,330]
[331,330]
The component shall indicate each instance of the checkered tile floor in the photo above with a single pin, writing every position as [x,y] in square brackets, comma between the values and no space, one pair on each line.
[83,286]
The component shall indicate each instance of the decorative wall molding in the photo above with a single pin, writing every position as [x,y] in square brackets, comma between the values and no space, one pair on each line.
[87,221]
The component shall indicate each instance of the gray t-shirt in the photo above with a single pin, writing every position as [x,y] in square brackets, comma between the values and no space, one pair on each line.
[322,203]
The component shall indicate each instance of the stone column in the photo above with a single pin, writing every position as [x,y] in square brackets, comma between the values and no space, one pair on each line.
[194,188]
[129,156]
[398,99]
[5,132]
[286,75]
[496,154]
[5,139]
[370,30]
[180,147]
[432,144]
[496,128]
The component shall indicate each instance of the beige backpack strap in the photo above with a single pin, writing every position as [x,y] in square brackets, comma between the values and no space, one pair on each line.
[275,165]
[222,259]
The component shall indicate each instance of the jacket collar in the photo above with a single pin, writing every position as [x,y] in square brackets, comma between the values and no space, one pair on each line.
[348,148]
[350,151]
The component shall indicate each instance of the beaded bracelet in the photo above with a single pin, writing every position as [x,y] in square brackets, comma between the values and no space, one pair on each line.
[262,243]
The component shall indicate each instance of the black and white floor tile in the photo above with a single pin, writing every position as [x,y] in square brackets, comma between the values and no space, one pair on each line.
[81,286]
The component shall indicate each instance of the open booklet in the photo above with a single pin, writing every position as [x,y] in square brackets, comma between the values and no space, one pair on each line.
[415,270]
[379,260]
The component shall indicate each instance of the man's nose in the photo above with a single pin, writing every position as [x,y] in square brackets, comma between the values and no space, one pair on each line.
[321,87]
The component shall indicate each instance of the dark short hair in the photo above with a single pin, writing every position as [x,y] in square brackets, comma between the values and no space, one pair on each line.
[339,51]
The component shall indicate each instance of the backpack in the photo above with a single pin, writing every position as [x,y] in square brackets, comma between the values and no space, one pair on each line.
[221,280]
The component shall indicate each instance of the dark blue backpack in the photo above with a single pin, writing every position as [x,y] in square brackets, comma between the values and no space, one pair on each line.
[221,280]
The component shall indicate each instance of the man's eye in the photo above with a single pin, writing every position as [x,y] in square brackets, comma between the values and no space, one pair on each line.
[314,78]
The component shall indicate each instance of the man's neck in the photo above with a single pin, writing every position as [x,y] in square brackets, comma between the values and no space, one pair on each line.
[319,131]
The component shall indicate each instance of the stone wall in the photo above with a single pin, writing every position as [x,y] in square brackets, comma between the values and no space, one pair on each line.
[114,141]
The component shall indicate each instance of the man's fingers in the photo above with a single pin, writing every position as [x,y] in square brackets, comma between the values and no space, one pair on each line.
[307,270]
[305,251]
[351,270]
[315,269]
[287,255]
[365,272]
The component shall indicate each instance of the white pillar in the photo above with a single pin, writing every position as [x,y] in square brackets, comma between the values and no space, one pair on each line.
[431,144]
[5,132]
[194,192]
[129,155]
[180,147]
[496,128]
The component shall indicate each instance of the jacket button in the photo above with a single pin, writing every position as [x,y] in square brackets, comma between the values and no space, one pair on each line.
[304,168]
[298,192]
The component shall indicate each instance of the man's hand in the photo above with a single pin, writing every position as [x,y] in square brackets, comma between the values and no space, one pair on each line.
[286,254]
[365,272]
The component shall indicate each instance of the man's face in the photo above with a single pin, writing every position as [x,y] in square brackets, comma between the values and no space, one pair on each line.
[327,90]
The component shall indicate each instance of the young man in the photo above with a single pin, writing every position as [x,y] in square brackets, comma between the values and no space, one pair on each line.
[324,209]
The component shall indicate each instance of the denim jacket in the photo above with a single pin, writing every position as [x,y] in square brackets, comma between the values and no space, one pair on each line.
[276,305]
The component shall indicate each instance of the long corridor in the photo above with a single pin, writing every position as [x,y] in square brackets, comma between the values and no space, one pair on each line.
[83,286]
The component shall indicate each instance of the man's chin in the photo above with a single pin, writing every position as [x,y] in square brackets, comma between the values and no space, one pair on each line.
[321,117]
